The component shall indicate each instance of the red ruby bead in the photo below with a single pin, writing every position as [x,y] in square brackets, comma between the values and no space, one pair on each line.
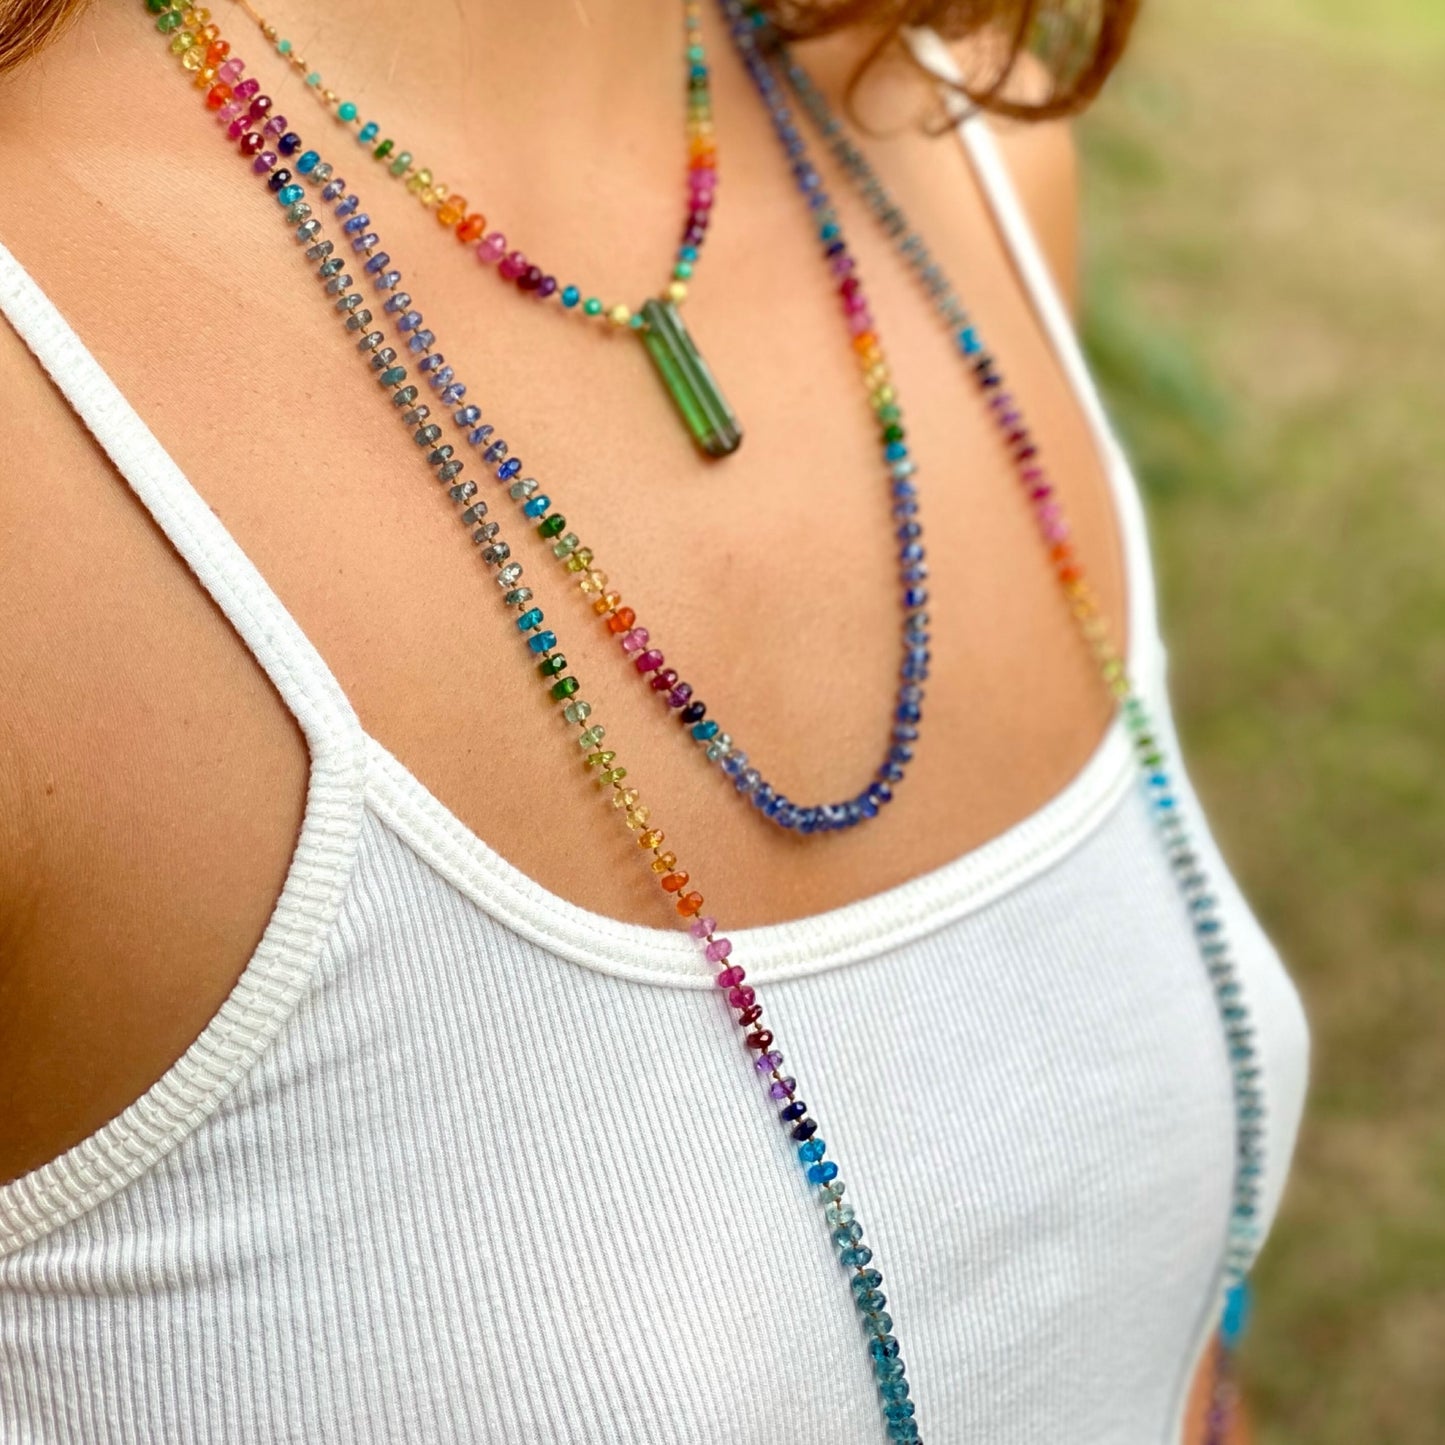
[741,997]
[750,1015]
[759,1039]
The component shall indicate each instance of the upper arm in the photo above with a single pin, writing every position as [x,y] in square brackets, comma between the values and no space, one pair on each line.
[1043,160]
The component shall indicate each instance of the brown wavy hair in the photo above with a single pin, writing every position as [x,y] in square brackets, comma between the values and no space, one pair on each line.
[1071,44]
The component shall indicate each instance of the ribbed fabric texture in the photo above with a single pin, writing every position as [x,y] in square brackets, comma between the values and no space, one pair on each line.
[459,1161]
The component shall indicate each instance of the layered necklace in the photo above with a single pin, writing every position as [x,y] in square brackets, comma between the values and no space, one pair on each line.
[399,351]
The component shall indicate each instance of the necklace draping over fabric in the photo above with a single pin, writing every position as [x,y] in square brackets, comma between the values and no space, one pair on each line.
[266,141]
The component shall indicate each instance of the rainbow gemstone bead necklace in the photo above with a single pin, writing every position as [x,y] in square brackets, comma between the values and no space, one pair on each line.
[709,738]
[658,320]
[252,126]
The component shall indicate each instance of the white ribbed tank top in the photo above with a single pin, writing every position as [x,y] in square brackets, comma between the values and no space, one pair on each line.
[412,1185]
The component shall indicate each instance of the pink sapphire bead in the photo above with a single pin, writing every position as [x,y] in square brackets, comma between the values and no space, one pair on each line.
[719,949]
[741,997]
[635,640]
[230,71]
[230,111]
[700,928]
[513,264]
[731,977]
[247,89]
[491,249]
[649,661]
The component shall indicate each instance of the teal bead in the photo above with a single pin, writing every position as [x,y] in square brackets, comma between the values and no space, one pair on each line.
[283,47]
[822,1173]
[536,506]
[314,79]
[346,111]
[531,618]
[289,195]
[541,641]
[847,1234]
[1236,1314]
[682,270]
[570,296]
[812,1151]
[368,133]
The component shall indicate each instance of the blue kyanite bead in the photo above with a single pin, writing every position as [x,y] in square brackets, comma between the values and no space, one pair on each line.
[481,434]
[332,189]
[509,469]
[396,303]
[541,641]
[495,452]
[822,1173]
[847,1234]
[369,242]
[705,731]
[420,341]
[289,195]
[442,379]
[734,763]
[536,506]
[531,618]
[354,223]
[430,363]
[368,133]
[468,416]
[376,262]
[387,281]
[308,162]
[346,207]
[968,339]
[866,806]
[747,780]
[762,797]
[409,322]
[855,1255]
[914,597]
[570,296]
[865,1280]
[811,1152]
[1236,1313]
[880,792]
[894,1389]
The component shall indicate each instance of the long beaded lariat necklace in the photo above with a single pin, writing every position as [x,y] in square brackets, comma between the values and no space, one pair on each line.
[658,320]
[248,119]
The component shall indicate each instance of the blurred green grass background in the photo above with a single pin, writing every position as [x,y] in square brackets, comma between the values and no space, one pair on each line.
[1265,284]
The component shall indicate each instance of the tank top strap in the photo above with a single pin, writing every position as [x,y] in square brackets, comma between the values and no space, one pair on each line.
[307,687]
[982,152]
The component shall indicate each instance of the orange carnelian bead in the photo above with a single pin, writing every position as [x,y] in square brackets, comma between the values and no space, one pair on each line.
[472,228]
[689,904]
[217,96]
[621,620]
[452,210]
[675,881]
[217,51]
[208,33]
[1069,574]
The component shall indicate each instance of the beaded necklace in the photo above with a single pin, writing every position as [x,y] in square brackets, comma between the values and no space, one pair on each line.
[685,375]
[707,735]
[899,1414]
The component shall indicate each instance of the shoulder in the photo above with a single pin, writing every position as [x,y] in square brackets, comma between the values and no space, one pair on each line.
[1042,158]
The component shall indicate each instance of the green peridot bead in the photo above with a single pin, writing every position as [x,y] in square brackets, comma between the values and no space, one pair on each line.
[592,306]
[550,526]
[399,165]
[168,22]
[551,666]
[383,150]
[893,433]
[889,413]
[158,7]
[564,688]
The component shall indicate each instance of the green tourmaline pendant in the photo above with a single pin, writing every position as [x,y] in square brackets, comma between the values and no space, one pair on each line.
[690,384]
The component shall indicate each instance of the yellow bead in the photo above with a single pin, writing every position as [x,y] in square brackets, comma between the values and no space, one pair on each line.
[638,817]
[626,798]
[580,560]
[194,19]
[194,58]
[664,863]
[650,839]
[182,40]
[205,76]
[619,316]
[677,292]
[593,582]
